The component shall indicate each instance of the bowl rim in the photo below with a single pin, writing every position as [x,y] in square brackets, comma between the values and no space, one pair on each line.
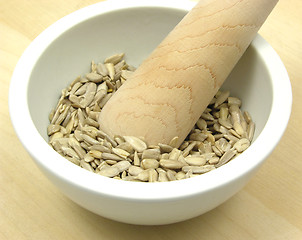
[53,163]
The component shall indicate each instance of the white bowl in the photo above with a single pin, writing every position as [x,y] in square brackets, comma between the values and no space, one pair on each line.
[64,50]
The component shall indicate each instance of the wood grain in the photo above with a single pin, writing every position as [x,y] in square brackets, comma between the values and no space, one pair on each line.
[170,90]
[268,208]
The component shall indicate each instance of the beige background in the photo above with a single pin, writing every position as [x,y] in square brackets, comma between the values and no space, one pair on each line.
[269,207]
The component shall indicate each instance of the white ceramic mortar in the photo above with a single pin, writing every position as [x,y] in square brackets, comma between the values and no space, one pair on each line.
[65,49]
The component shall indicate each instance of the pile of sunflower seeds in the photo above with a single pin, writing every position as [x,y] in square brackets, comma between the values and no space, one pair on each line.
[221,133]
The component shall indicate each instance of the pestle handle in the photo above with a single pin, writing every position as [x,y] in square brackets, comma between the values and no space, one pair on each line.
[169,91]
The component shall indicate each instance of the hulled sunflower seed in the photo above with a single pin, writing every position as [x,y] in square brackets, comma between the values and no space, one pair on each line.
[153,175]
[86,166]
[221,98]
[114,59]
[187,150]
[251,130]
[197,169]
[110,156]
[109,171]
[171,175]
[135,170]
[170,164]
[120,152]
[138,144]
[101,69]
[174,142]
[195,161]
[162,175]
[126,146]
[122,165]
[151,153]
[143,176]
[226,157]
[149,163]
[94,77]
[53,128]
[165,148]
[242,144]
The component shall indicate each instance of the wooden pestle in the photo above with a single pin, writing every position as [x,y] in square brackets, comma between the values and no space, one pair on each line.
[170,90]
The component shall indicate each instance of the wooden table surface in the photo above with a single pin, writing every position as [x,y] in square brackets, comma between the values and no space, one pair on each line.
[269,207]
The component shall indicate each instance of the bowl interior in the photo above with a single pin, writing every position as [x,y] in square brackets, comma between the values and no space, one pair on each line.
[136,32]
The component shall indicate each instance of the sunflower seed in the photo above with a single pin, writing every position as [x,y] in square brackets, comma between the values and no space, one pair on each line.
[101,69]
[251,130]
[225,122]
[135,170]
[81,90]
[126,146]
[95,153]
[109,171]
[238,128]
[119,139]
[221,98]
[171,175]
[88,158]
[55,136]
[210,138]
[136,143]
[136,160]
[86,166]
[93,164]
[247,117]
[53,128]
[143,176]
[226,157]
[223,145]
[201,124]
[174,142]
[104,100]
[165,148]
[180,175]
[151,153]
[120,152]
[77,147]
[217,151]
[170,164]
[153,175]
[69,152]
[242,144]
[207,116]
[110,156]
[214,160]
[114,59]
[94,77]
[195,161]
[197,169]
[122,165]
[198,137]
[110,161]
[111,70]
[149,163]
[189,174]
[105,136]
[119,66]
[63,115]
[89,139]
[187,150]
[234,101]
